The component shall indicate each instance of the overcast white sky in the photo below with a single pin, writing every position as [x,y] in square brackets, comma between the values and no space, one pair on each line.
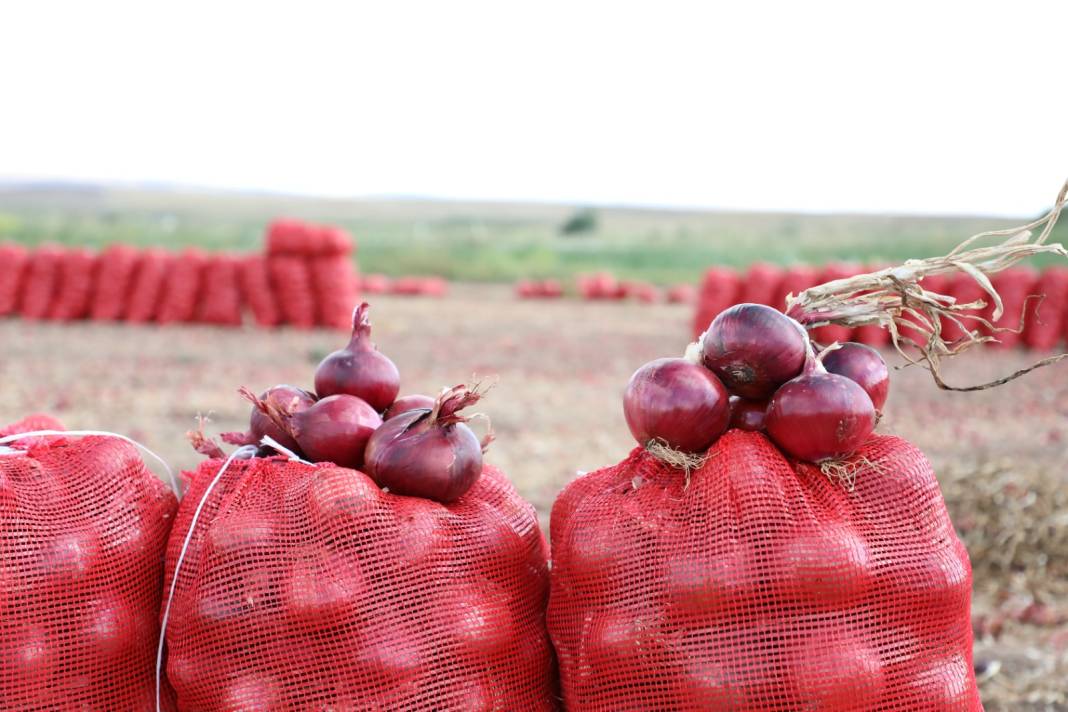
[945,107]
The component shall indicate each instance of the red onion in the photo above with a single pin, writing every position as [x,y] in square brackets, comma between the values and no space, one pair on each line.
[677,402]
[334,429]
[406,403]
[261,424]
[820,416]
[754,349]
[428,453]
[747,414]
[864,365]
[359,369]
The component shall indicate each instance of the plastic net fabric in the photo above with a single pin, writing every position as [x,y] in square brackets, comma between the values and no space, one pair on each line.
[181,291]
[256,290]
[220,300]
[146,290]
[39,284]
[762,585]
[291,280]
[114,275]
[74,284]
[13,259]
[83,525]
[307,587]
[335,284]
[1014,285]
[1046,321]
[761,284]
[719,291]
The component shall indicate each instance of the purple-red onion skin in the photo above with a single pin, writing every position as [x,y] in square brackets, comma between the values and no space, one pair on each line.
[359,369]
[820,416]
[863,364]
[260,423]
[407,403]
[413,457]
[335,429]
[748,415]
[677,402]
[754,349]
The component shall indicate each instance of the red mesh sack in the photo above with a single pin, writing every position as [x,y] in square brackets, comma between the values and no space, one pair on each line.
[761,284]
[287,236]
[115,270]
[760,584]
[719,290]
[75,285]
[835,332]
[256,290]
[181,289]
[13,259]
[147,287]
[1014,285]
[794,280]
[333,280]
[220,301]
[1046,317]
[40,282]
[965,290]
[291,283]
[83,526]
[308,587]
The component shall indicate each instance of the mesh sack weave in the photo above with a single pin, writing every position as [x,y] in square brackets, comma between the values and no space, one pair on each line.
[40,282]
[256,290]
[761,585]
[292,287]
[220,299]
[719,291]
[1047,318]
[308,587]
[181,290]
[13,259]
[114,273]
[296,238]
[74,286]
[795,280]
[146,289]
[830,333]
[336,291]
[761,284]
[83,526]
[1014,285]
[965,290]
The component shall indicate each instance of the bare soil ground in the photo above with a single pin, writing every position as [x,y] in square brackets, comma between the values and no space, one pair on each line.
[562,367]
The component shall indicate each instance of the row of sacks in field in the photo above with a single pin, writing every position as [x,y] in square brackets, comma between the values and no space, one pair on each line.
[154,285]
[604,286]
[1035,302]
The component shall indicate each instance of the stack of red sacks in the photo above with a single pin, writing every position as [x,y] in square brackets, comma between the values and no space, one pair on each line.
[311,273]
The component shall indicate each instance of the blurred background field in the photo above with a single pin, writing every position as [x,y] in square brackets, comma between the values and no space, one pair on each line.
[480,242]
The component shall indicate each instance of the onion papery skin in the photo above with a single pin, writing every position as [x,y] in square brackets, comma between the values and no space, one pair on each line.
[359,369]
[864,365]
[754,349]
[407,403]
[414,456]
[748,415]
[260,424]
[677,402]
[335,429]
[820,416]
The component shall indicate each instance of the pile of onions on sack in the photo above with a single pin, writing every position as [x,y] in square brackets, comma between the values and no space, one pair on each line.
[756,368]
[414,445]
